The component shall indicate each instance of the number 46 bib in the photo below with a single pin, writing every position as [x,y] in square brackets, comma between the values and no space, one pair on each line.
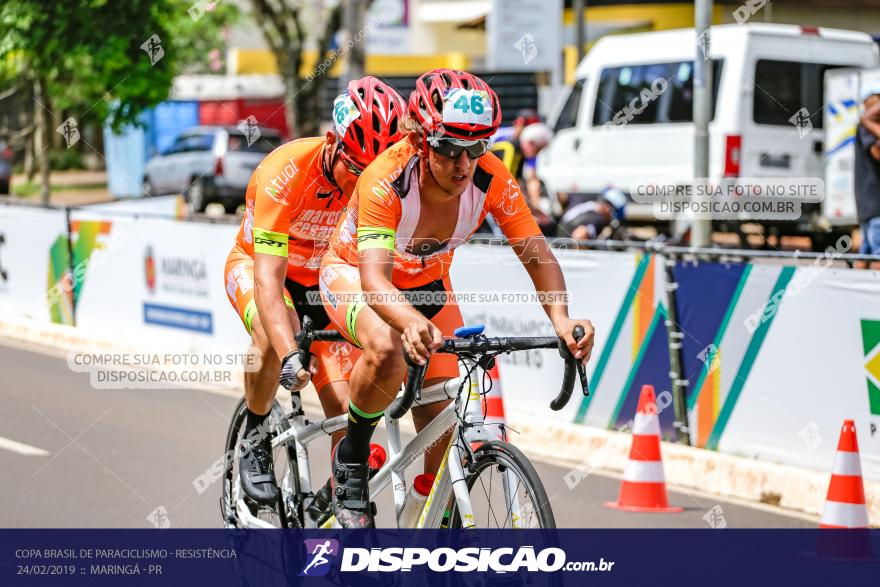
[467,107]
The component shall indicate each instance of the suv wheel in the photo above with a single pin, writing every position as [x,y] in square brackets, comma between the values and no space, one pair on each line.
[195,195]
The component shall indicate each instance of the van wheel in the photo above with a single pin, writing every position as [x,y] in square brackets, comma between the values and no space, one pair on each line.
[195,195]
[148,189]
[232,206]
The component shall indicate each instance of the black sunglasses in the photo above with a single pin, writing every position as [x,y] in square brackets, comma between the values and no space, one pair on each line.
[453,149]
[352,167]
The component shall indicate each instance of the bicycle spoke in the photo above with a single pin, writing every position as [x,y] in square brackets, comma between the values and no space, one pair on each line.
[512,499]
[488,498]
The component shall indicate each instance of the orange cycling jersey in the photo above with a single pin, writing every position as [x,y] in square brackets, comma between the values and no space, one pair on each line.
[292,209]
[384,212]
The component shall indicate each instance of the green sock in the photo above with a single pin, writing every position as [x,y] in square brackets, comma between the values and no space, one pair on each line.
[355,447]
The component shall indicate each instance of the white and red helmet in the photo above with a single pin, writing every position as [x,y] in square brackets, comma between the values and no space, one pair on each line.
[367,119]
[455,104]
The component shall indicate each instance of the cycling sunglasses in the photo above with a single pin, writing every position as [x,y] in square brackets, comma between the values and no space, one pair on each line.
[352,167]
[452,148]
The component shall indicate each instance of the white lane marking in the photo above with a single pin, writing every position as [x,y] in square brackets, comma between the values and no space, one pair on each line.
[22,449]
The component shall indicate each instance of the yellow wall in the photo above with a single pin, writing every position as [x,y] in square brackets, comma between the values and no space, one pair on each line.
[663,16]
[260,61]
[660,16]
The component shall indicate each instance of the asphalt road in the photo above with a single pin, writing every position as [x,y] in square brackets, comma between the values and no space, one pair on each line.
[110,458]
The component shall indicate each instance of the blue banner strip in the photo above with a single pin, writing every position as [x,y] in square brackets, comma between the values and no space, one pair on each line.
[268,558]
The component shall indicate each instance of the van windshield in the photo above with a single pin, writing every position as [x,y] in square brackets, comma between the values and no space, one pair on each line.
[650,93]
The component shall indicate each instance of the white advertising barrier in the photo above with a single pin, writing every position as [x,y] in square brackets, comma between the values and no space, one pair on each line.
[161,283]
[596,281]
[28,236]
[814,370]
[160,206]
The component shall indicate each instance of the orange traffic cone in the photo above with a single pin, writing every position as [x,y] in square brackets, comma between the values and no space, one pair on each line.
[493,405]
[845,505]
[643,488]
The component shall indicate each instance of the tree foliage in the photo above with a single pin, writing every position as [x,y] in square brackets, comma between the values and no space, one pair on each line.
[283,26]
[89,54]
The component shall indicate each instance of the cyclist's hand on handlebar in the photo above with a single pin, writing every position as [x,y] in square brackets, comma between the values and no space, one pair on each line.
[294,376]
[581,349]
[420,339]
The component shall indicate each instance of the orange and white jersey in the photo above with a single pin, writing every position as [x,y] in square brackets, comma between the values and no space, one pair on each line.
[292,209]
[385,209]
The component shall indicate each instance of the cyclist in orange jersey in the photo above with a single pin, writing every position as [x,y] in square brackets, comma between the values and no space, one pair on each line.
[294,200]
[412,207]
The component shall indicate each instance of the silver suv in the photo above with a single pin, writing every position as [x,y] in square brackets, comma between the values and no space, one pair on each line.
[210,164]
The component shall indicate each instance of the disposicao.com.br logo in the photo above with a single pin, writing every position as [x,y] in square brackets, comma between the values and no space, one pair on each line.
[441,560]
[320,553]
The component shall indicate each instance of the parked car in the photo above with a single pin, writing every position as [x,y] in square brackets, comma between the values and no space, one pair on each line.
[210,164]
[764,74]
[5,168]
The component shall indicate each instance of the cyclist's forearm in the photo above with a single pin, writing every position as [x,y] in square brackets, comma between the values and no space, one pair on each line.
[388,302]
[543,268]
[375,268]
[269,296]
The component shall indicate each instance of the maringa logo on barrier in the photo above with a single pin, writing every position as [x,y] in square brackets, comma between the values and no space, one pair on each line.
[150,270]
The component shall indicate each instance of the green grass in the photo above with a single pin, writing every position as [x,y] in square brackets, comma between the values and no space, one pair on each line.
[30,188]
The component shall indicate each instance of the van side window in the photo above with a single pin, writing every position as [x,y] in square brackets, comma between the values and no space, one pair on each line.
[569,113]
[778,91]
[628,94]
[681,91]
[783,88]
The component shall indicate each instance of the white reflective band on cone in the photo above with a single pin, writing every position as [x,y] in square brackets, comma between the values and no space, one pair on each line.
[847,463]
[644,472]
[646,424]
[845,514]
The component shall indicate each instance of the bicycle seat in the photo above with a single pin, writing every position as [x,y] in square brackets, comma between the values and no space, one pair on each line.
[468,331]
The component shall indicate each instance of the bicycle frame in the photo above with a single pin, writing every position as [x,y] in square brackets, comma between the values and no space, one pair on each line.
[469,411]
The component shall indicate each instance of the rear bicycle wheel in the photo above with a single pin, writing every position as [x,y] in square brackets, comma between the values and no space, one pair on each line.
[285,514]
[505,491]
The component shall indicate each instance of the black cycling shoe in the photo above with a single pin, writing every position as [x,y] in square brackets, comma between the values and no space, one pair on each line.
[319,507]
[256,472]
[351,495]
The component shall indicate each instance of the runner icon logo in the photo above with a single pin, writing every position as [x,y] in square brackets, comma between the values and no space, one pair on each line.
[320,553]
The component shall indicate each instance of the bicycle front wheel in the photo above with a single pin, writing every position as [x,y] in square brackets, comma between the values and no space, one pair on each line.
[505,491]
[287,513]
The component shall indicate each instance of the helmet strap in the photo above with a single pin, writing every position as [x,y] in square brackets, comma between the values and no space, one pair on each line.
[328,162]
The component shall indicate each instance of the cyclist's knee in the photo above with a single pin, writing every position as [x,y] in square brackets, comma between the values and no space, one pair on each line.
[261,349]
[385,354]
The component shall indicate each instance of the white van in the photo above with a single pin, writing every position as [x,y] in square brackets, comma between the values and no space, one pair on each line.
[764,75]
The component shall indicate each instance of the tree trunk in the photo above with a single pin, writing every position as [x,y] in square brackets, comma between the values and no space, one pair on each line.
[43,139]
[291,98]
[29,169]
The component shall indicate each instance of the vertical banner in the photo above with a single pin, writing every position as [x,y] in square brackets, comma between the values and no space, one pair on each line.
[524,35]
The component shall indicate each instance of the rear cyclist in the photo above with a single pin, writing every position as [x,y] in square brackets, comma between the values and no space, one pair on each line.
[294,200]
[411,208]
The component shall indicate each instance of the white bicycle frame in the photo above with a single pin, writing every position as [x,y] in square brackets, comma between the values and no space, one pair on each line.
[400,457]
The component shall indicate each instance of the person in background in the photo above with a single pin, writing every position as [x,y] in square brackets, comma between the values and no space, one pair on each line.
[518,147]
[587,220]
[867,177]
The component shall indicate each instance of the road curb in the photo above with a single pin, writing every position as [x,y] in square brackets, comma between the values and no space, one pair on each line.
[585,449]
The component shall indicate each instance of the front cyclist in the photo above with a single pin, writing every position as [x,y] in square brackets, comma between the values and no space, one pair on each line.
[411,208]
[294,201]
